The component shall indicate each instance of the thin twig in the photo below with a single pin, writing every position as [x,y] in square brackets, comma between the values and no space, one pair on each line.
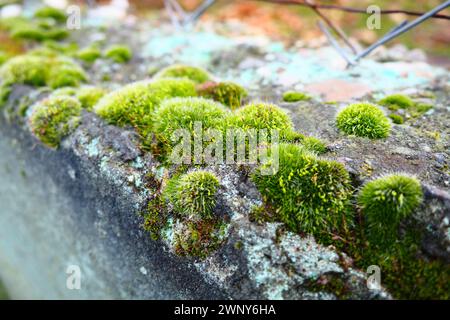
[353,10]
[330,24]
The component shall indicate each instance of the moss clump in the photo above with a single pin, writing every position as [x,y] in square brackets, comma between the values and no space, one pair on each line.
[65,73]
[3,57]
[87,95]
[295,96]
[186,113]
[135,103]
[25,69]
[419,109]
[261,116]
[119,53]
[199,238]
[194,194]
[308,194]
[227,93]
[397,119]
[88,55]
[42,70]
[51,13]
[155,218]
[363,120]
[39,29]
[182,71]
[397,101]
[54,118]
[385,202]
[314,144]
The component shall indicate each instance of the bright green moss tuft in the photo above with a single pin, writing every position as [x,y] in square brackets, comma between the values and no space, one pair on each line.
[363,120]
[194,194]
[314,144]
[3,57]
[119,53]
[51,13]
[135,103]
[294,96]
[89,96]
[185,113]
[261,116]
[54,118]
[397,119]
[385,202]
[64,72]
[182,71]
[25,69]
[396,101]
[227,93]
[308,194]
[88,55]
[42,70]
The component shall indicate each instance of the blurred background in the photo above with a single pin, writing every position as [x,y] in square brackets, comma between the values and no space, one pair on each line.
[290,23]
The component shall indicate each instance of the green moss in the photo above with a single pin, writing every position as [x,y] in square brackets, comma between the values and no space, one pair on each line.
[332,283]
[135,103]
[155,217]
[227,93]
[261,116]
[54,118]
[64,72]
[3,57]
[397,119]
[200,238]
[25,69]
[396,101]
[39,69]
[87,95]
[88,55]
[51,13]
[308,194]
[385,202]
[419,109]
[119,53]
[363,120]
[195,74]
[295,96]
[194,194]
[314,144]
[184,113]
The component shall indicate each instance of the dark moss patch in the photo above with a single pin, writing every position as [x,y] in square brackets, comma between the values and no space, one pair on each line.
[228,93]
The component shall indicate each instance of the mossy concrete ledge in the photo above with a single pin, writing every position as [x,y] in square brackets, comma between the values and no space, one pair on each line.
[80,204]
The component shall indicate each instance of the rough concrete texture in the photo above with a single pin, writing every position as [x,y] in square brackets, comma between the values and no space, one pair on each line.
[80,204]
